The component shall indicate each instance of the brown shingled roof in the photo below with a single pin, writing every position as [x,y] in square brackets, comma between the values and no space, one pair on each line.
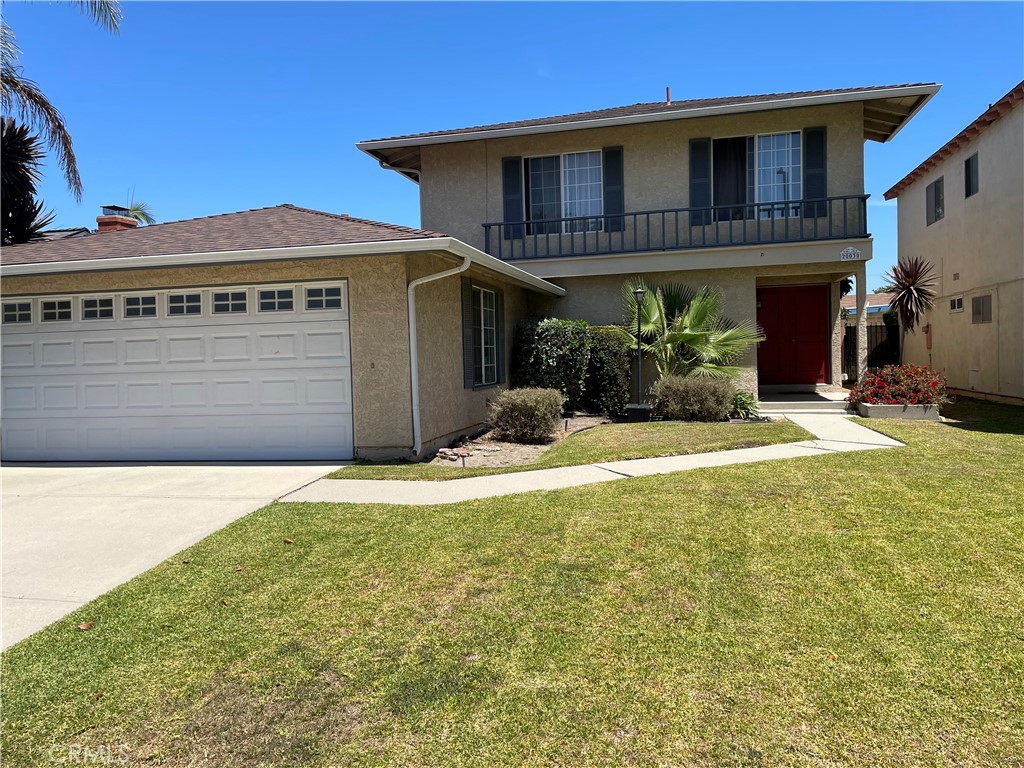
[280,226]
[993,113]
[649,108]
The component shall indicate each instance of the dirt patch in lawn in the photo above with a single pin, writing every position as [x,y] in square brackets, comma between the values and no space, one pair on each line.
[487,450]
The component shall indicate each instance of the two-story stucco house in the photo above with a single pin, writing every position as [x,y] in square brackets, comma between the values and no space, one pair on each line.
[760,196]
[962,209]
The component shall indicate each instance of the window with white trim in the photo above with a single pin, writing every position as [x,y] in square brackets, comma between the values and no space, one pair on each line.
[55,310]
[179,304]
[276,300]
[956,304]
[567,186]
[229,302]
[18,312]
[98,308]
[327,297]
[140,306]
[778,174]
[485,337]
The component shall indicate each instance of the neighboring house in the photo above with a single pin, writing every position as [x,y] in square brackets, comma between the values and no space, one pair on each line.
[875,306]
[278,333]
[962,209]
[760,196]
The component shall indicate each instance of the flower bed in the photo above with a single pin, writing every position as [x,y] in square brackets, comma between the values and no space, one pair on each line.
[902,385]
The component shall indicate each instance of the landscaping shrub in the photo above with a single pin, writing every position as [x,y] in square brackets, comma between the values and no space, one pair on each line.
[900,385]
[552,353]
[693,398]
[606,388]
[526,415]
[744,406]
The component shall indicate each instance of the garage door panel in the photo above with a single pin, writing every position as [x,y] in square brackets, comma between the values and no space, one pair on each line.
[270,385]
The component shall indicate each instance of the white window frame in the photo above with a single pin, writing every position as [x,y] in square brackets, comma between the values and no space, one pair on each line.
[566,227]
[787,212]
[340,297]
[276,299]
[182,315]
[82,308]
[487,380]
[140,296]
[956,303]
[17,304]
[71,311]
[231,300]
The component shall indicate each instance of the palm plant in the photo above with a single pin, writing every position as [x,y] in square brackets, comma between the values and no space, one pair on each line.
[912,283]
[141,212]
[20,212]
[684,330]
[23,97]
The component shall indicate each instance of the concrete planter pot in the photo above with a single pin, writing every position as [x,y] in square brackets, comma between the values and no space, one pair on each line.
[920,412]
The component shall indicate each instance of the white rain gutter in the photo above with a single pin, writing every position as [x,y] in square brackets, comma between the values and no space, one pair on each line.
[414,363]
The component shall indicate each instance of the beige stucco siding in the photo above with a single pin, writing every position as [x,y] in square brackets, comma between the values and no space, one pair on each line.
[977,249]
[447,406]
[461,186]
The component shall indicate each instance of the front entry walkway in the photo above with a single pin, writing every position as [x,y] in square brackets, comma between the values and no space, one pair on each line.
[833,432]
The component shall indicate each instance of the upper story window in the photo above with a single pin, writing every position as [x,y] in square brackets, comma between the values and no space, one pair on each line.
[956,304]
[778,174]
[565,186]
[18,312]
[981,309]
[935,200]
[971,175]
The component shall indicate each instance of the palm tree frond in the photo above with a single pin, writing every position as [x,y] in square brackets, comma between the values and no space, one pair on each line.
[106,13]
[141,212]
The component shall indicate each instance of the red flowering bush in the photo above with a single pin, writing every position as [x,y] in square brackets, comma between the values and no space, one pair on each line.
[900,385]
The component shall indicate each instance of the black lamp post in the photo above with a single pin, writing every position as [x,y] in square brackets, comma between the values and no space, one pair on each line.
[639,293]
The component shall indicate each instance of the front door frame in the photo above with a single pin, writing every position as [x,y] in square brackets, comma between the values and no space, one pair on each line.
[827,285]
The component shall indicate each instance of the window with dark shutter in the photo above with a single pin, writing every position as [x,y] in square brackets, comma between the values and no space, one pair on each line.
[614,190]
[700,181]
[971,175]
[934,201]
[512,197]
[815,175]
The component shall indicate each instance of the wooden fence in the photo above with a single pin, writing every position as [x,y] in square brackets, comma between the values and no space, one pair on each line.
[883,348]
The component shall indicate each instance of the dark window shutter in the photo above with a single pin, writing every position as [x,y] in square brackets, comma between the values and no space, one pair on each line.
[499,319]
[614,191]
[929,202]
[700,180]
[468,346]
[512,195]
[815,180]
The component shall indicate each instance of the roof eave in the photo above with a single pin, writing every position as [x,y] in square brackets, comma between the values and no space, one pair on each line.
[927,90]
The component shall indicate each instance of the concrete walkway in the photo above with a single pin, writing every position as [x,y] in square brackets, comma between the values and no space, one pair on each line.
[835,433]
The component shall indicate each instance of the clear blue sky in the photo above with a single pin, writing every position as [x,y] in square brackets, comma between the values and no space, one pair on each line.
[207,108]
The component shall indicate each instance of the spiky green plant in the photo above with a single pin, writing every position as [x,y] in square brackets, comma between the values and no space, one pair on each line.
[141,212]
[22,215]
[912,285]
[684,331]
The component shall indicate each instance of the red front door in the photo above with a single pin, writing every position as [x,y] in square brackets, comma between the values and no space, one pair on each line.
[796,329]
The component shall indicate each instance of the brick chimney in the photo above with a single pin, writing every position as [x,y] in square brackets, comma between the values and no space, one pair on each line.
[114,219]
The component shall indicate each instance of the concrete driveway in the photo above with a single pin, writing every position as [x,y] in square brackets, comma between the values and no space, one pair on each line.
[73,532]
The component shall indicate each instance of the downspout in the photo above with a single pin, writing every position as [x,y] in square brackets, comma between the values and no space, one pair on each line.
[414,368]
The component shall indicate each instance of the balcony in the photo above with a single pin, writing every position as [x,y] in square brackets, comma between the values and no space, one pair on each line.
[722,226]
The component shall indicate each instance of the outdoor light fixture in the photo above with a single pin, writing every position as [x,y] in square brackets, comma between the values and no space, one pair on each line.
[639,293]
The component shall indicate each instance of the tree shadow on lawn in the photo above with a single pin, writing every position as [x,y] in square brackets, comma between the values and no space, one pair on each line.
[985,416]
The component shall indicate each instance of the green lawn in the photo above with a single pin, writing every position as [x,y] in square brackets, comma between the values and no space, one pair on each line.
[858,609]
[610,442]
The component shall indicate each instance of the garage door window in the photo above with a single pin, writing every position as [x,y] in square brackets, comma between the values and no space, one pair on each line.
[277,300]
[229,302]
[323,298]
[140,306]
[56,310]
[18,312]
[184,304]
[98,309]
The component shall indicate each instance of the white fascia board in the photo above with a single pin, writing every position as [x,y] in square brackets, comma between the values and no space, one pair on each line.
[418,245]
[727,109]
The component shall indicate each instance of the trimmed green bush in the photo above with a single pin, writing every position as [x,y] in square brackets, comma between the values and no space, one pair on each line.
[744,406]
[606,389]
[552,354]
[526,415]
[693,398]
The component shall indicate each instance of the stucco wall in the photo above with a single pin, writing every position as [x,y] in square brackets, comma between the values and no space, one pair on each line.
[448,408]
[460,188]
[598,300]
[977,248]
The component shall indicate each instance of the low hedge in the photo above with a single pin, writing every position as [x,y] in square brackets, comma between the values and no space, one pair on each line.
[527,415]
[900,385]
[693,398]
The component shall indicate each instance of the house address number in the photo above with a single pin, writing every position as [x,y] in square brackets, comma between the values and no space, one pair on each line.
[849,254]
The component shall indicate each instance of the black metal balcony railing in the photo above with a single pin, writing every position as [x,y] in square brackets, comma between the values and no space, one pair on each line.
[790,221]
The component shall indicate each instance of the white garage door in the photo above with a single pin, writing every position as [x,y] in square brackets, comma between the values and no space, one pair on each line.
[226,373]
